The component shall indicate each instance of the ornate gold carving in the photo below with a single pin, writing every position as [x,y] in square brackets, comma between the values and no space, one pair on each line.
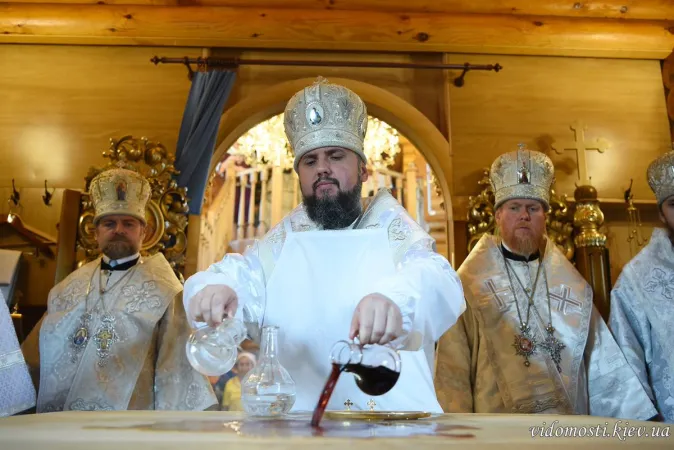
[208,192]
[560,224]
[588,218]
[166,211]
[436,188]
[481,218]
[481,211]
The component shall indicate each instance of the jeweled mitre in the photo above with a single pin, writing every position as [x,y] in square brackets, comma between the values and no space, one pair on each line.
[119,191]
[523,174]
[325,115]
[661,177]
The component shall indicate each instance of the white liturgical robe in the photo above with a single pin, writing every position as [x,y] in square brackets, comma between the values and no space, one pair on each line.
[136,360]
[480,368]
[16,388]
[642,318]
[308,282]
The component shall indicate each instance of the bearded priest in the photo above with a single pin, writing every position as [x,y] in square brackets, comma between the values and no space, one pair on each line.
[336,268]
[531,340]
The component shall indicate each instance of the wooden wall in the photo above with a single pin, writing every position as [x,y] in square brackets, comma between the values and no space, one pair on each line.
[60,106]
[421,88]
[65,102]
[535,99]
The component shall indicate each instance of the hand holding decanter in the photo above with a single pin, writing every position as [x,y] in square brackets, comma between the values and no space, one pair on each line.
[376,367]
[212,350]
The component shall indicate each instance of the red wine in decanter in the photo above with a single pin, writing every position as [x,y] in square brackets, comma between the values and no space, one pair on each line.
[371,380]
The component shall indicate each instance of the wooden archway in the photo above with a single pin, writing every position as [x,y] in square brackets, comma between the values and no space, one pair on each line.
[381,103]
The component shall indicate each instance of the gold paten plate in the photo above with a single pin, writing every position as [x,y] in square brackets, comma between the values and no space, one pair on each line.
[376,415]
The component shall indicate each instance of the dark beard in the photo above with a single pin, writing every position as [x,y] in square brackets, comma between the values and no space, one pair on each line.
[335,213]
[119,248]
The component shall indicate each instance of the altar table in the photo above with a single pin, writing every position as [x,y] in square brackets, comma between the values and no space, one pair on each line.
[174,430]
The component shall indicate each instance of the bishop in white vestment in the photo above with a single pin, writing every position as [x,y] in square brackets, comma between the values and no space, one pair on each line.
[531,340]
[642,300]
[114,334]
[17,393]
[334,269]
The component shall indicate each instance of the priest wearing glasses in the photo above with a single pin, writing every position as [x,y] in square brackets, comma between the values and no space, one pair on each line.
[531,340]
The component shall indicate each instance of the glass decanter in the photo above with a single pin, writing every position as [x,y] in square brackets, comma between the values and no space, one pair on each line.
[268,390]
[376,367]
[212,351]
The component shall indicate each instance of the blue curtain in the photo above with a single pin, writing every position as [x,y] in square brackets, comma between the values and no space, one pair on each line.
[199,130]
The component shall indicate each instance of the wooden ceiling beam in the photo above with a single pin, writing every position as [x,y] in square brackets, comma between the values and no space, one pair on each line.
[333,30]
[617,9]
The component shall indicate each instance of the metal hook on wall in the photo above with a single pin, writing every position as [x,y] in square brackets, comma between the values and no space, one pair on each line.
[634,219]
[46,198]
[15,197]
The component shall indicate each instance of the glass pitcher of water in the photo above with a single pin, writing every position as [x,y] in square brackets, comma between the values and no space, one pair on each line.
[212,351]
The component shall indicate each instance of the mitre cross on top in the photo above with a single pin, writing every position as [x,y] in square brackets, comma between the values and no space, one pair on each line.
[581,146]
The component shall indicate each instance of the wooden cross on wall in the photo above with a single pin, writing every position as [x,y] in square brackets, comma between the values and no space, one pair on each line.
[580,146]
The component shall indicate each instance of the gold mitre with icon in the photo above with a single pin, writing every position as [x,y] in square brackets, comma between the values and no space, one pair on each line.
[325,115]
[119,191]
[661,177]
[525,174]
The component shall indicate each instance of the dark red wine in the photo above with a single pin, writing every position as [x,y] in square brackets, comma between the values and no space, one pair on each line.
[326,394]
[371,380]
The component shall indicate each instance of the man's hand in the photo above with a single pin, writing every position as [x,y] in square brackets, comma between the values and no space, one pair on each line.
[212,303]
[376,320]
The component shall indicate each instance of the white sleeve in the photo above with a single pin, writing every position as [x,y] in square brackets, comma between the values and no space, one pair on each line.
[428,292]
[243,273]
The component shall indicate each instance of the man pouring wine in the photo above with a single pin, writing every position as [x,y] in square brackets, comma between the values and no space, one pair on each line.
[335,268]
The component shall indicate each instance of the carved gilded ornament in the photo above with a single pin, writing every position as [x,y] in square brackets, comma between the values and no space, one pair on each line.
[588,218]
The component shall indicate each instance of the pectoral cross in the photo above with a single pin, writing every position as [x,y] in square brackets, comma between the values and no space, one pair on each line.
[580,146]
[371,404]
[104,338]
[348,404]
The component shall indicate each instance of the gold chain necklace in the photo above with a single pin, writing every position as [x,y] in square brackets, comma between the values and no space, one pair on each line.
[550,344]
[525,342]
[106,334]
